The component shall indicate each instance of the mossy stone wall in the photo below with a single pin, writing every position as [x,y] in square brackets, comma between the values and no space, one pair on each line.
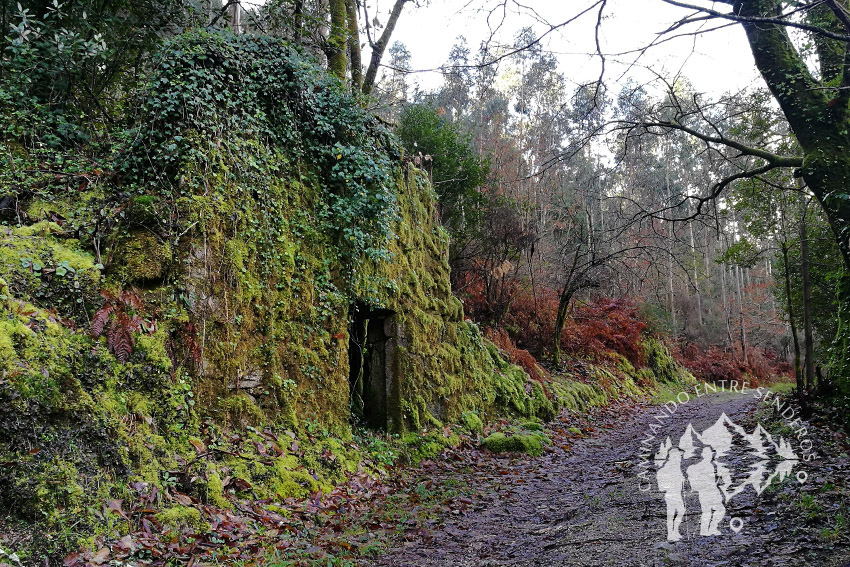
[438,365]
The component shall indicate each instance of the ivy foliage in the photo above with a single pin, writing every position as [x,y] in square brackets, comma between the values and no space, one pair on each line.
[267,108]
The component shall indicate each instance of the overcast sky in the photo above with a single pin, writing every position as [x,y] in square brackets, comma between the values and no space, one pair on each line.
[716,62]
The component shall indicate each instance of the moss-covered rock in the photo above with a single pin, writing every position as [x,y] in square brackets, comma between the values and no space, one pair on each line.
[472,422]
[662,364]
[143,257]
[42,264]
[182,518]
[425,445]
[531,443]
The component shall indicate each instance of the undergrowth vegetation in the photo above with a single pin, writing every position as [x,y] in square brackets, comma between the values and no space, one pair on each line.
[604,331]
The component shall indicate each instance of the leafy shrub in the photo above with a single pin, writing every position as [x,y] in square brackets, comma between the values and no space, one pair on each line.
[607,324]
[456,170]
[63,66]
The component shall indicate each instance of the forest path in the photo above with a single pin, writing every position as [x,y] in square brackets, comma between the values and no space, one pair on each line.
[585,507]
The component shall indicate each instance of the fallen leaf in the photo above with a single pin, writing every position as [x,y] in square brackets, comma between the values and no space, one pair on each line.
[102,556]
[117,507]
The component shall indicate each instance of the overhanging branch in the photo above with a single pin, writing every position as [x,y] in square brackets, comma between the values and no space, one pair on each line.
[774,159]
[782,21]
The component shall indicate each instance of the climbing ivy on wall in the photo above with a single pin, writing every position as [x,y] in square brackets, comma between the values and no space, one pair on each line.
[256,102]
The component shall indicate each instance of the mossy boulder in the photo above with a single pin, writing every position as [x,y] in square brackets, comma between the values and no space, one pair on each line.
[530,442]
[472,422]
[43,264]
[425,445]
[143,257]
[182,518]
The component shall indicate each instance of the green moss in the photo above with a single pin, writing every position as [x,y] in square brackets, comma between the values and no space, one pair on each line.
[153,346]
[432,421]
[215,490]
[663,365]
[577,396]
[5,295]
[50,271]
[540,405]
[12,332]
[240,410]
[624,366]
[509,384]
[290,481]
[181,518]
[42,228]
[143,257]
[472,422]
[146,210]
[532,425]
[420,446]
[42,209]
[531,443]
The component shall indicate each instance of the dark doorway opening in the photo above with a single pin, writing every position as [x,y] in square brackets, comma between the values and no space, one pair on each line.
[367,362]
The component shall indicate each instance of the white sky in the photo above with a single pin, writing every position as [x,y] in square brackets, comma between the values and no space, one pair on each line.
[715,62]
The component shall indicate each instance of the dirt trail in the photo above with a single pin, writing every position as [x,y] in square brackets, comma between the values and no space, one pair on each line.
[584,507]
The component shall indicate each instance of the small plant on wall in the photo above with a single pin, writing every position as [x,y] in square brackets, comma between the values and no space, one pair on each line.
[118,319]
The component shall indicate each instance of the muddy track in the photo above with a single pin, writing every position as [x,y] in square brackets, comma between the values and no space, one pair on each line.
[584,507]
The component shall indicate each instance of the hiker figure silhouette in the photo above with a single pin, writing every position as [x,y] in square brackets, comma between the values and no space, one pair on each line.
[703,479]
[671,482]
[713,463]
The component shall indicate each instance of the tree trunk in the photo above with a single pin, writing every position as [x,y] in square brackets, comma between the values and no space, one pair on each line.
[696,274]
[236,18]
[298,19]
[818,116]
[739,276]
[670,236]
[337,43]
[380,46]
[768,273]
[807,303]
[830,184]
[561,319]
[708,261]
[798,370]
[354,46]
[726,306]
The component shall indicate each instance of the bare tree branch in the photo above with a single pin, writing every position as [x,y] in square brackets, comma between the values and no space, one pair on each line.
[782,21]
[380,46]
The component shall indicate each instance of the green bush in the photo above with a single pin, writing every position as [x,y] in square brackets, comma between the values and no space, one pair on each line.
[457,171]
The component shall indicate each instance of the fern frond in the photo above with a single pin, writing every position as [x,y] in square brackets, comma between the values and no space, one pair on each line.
[101,318]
